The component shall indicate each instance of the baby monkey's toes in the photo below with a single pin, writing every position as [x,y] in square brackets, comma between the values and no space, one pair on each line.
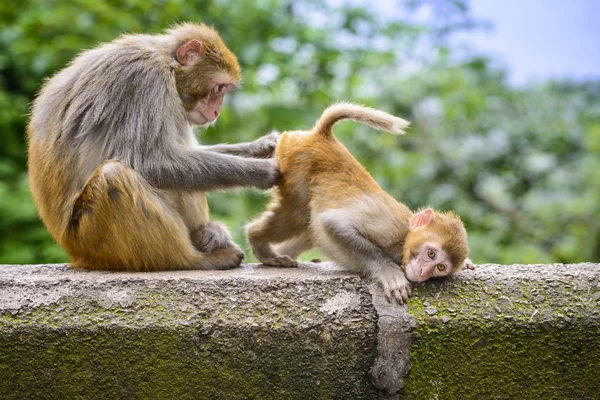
[282,262]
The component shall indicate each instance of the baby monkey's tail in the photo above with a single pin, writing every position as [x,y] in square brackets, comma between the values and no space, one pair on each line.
[364,115]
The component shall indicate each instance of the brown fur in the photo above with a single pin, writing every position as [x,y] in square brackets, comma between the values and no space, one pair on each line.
[218,59]
[327,199]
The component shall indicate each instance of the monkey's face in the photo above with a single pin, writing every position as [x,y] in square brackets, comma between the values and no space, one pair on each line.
[429,260]
[206,73]
[207,109]
[435,247]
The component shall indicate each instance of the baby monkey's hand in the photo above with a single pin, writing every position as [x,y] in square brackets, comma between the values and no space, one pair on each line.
[394,283]
[469,264]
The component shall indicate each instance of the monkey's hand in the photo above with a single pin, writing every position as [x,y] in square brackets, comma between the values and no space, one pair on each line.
[269,173]
[469,264]
[264,147]
[211,236]
[394,283]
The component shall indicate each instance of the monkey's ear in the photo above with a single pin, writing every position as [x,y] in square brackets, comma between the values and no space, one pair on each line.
[421,218]
[189,53]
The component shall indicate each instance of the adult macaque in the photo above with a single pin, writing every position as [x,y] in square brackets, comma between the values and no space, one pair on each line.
[115,169]
[327,199]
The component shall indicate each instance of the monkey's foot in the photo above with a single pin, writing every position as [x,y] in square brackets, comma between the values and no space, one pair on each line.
[394,284]
[281,261]
[227,258]
[211,236]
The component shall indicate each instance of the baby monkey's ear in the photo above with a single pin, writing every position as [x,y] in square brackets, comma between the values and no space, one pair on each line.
[422,218]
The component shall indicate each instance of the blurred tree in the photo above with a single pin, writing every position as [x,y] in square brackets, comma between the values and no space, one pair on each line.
[517,164]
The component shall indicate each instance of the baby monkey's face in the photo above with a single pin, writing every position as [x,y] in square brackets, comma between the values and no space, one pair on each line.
[428,261]
[435,247]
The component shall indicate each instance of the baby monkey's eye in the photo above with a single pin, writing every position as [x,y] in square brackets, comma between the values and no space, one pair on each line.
[441,267]
[431,253]
[221,87]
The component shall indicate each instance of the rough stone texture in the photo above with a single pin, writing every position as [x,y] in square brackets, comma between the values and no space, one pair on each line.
[499,332]
[393,346]
[254,332]
[508,332]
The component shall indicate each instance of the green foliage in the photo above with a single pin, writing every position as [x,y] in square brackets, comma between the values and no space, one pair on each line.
[518,165]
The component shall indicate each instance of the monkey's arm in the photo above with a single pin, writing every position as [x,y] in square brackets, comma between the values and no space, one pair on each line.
[372,259]
[201,170]
[262,147]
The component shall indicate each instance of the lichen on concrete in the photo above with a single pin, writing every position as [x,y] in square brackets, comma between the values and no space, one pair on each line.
[249,333]
[508,332]
[499,332]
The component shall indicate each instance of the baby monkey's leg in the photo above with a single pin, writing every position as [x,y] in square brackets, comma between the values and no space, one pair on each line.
[366,254]
[273,226]
[296,246]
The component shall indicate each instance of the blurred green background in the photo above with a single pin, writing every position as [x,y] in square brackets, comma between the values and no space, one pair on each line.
[519,164]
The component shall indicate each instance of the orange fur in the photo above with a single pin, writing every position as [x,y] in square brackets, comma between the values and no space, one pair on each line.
[321,180]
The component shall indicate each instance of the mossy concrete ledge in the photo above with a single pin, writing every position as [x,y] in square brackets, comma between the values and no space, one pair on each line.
[499,332]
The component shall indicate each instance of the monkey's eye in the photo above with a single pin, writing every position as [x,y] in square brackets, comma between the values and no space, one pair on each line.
[431,253]
[221,87]
[441,267]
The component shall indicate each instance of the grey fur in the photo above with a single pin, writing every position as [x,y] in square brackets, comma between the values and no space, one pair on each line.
[119,101]
[362,251]
[261,148]
[211,236]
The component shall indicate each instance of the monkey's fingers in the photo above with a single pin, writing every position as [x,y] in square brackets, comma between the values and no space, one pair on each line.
[387,291]
[264,147]
[402,294]
[388,296]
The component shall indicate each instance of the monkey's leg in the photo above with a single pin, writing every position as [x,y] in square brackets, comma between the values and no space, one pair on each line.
[273,226]
[357,249]
[120,222]
[294,247]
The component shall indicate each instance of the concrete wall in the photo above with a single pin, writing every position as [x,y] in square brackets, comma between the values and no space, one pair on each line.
[499,332]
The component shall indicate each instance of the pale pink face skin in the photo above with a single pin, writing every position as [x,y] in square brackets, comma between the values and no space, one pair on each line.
[430,261]
[208,109]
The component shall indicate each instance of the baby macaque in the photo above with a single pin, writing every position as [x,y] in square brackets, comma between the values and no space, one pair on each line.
[327,199]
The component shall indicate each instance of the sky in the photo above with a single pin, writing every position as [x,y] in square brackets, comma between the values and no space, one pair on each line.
[535,39]
[541,39]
